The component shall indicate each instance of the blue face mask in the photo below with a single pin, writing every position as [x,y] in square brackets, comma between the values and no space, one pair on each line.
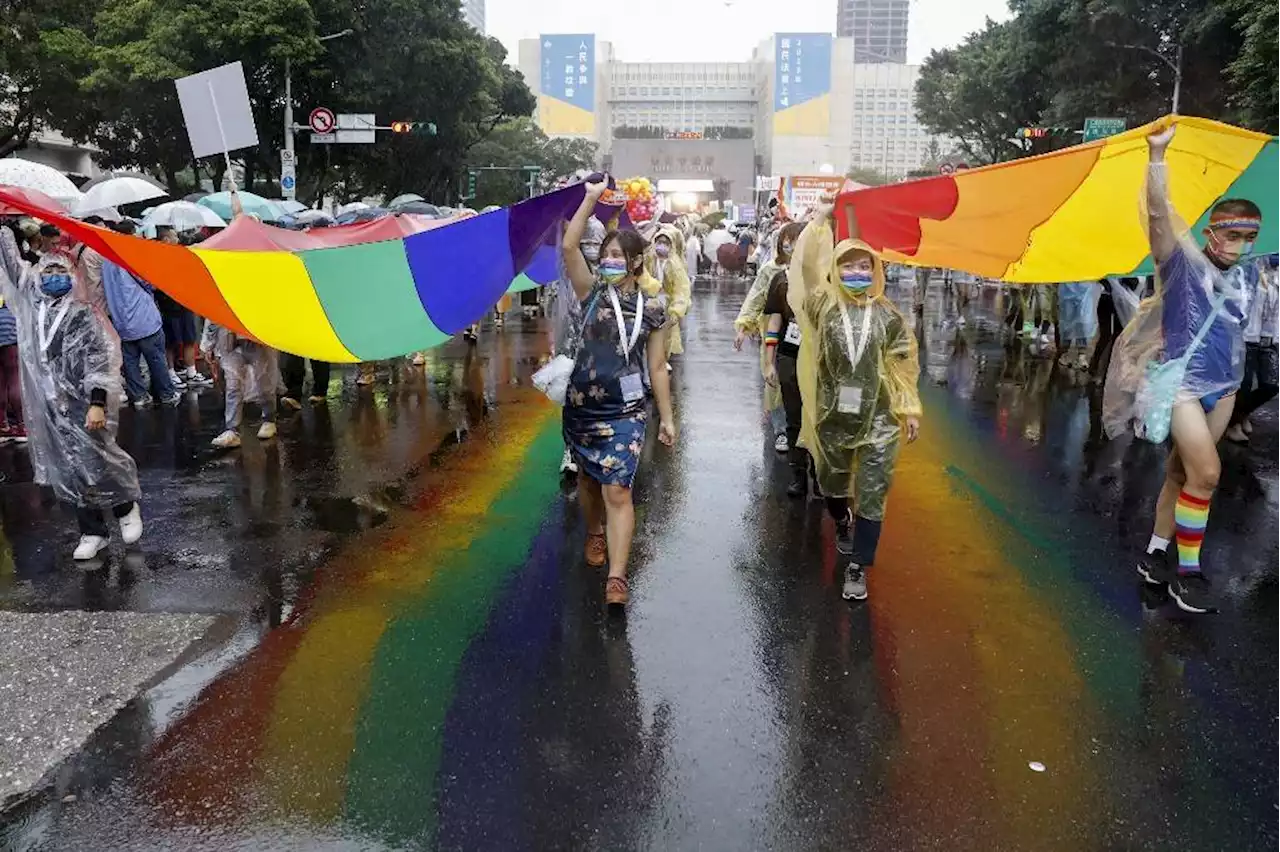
[56,284]
[612,270]
[855,281]
[1246,250]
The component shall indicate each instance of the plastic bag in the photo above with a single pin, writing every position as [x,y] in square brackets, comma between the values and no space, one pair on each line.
[1185,343]
[1124,300]
[553,378]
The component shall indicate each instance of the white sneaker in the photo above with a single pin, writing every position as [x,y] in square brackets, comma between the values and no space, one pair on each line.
[89,547]
[1082,362]
[567,464]
[131,526]
[266,431]
[781,444]
[228,440]
[960,321]
[178,383]
[668,366]
[290,403]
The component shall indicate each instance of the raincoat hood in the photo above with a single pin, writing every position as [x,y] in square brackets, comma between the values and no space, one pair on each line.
[79,290]
[672,233]
[845,248]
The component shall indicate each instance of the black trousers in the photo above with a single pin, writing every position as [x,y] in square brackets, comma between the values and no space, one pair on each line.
[1261,380]
[93,522]
[866,532]
[1109,328]
[789,384]
[294,370]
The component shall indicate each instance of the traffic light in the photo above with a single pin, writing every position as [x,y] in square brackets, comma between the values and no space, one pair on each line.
[1043,132]
[472,177]
[417,128]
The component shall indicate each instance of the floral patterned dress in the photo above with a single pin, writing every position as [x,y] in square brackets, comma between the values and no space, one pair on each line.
[603,426]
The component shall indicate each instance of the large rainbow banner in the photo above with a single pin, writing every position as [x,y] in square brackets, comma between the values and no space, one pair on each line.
[1072,215]
[354,294]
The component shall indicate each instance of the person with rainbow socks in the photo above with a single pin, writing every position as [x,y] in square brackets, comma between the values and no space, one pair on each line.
[1177,368]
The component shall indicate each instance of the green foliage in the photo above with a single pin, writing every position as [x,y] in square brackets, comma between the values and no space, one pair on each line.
[102,71]
[1253,72]
[980,92]
[43,49]
[1058,62]
[518,143]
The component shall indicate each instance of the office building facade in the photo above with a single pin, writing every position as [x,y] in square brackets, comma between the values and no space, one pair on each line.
[884,134]
[878,29]
[801,105]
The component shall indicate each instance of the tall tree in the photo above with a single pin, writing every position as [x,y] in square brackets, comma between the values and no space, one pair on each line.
[1253,72]
[1118,57]
[518,143]
[44,47]
[982,91]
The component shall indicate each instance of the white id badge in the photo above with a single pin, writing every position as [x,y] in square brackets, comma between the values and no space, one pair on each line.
[850,401]
[632,387]
[793,333]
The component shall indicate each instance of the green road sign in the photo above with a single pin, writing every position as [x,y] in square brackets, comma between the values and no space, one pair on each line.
[1101,128]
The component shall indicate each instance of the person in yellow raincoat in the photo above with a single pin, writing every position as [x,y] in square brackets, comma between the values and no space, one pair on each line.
[751,322]
[857,369]
[664,263]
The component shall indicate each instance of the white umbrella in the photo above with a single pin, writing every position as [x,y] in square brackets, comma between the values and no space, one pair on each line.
[38,176]
[405,199]
[183,216]
[126,189]
[347,208]
[107,214]
[291,206]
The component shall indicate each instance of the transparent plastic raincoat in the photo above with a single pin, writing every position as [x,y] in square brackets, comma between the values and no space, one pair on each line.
[751,320]
[67,350]
[853,406]
[1185,343]
[671,276]
[1078,310]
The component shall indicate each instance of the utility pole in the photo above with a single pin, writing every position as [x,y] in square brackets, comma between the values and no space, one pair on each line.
[289,127]
[1174,66]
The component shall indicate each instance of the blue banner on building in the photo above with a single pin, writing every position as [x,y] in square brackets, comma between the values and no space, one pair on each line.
[569,69]
[802,68]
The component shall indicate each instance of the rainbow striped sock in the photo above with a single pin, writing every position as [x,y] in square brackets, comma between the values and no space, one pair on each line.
[1190,515]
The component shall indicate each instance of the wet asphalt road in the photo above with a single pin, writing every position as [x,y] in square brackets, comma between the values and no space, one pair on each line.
[411,653]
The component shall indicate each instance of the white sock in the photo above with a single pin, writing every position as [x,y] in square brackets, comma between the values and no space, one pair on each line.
[1157,544]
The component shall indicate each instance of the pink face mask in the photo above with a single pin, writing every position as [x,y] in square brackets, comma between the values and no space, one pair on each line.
[662,249]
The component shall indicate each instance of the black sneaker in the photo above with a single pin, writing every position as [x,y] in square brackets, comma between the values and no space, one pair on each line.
[1154,568]
[844,535]
[1191,592]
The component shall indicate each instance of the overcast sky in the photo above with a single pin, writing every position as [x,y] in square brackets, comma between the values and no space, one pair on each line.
[717,30]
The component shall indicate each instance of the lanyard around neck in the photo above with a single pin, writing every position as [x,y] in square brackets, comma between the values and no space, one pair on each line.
[47,338]
[855,352]
[622,325]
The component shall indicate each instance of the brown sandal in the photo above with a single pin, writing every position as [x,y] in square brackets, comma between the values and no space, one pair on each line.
[616,591]
[597,550]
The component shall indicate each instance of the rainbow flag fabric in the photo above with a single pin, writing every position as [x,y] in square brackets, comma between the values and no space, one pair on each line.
[1071,215]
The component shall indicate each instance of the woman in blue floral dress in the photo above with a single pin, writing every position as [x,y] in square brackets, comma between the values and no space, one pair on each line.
[606,408]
